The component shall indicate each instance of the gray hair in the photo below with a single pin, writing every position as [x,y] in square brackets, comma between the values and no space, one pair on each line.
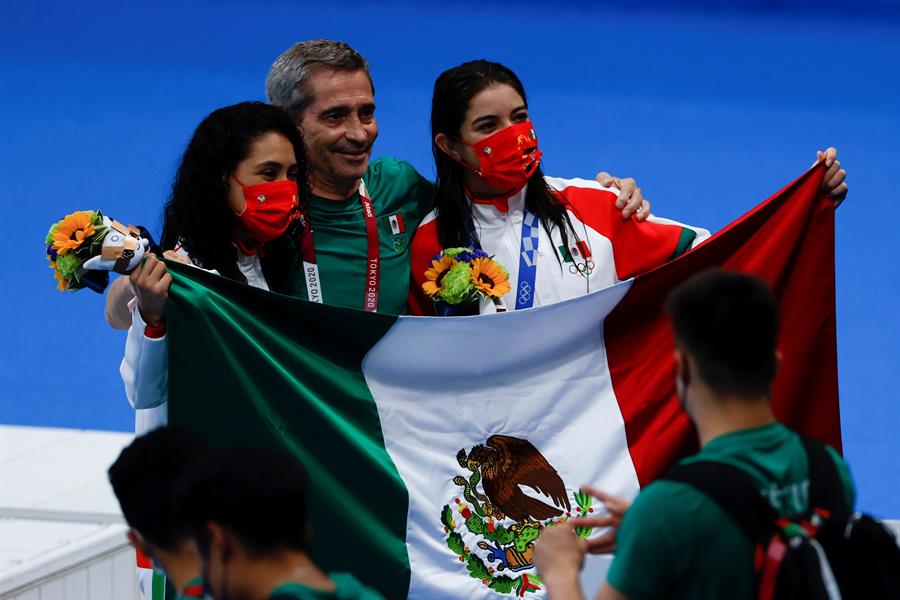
[286,84]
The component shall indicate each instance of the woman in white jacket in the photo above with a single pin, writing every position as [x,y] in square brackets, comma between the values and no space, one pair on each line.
[557,238]
[234,209]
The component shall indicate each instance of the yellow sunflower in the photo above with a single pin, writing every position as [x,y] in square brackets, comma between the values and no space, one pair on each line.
[435,275]
[72,231]
[489,277]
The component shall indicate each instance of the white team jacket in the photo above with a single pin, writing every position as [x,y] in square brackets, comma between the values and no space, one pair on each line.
[606,249]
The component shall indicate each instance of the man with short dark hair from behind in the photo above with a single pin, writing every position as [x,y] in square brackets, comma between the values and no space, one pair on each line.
[674,541]
[143,479]
[247,513]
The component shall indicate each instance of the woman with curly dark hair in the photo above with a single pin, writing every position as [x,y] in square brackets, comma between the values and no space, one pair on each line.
[207,216]
[234,209]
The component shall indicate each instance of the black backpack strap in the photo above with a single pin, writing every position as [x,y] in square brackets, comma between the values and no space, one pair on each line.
[734,492]
[825,487]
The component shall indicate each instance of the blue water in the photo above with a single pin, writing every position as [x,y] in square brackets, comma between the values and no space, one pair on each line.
[711,109]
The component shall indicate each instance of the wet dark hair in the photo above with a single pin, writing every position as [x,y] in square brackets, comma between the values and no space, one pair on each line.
[144,477]
[728,322]
[453,91]
[259,495]
[197,215]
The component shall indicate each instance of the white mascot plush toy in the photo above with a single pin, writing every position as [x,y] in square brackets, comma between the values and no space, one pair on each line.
[123,248]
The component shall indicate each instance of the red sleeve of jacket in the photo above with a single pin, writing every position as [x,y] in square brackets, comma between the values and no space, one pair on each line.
[638,247]
[424,247]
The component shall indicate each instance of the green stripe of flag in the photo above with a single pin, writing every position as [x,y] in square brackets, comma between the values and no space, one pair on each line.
[249,368]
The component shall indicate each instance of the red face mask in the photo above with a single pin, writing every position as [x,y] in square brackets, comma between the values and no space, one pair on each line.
[269,210]
[509,157]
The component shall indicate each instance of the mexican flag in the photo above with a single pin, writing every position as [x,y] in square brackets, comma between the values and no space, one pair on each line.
[439,448]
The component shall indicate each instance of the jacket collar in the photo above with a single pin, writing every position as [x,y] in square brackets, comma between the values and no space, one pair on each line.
[495,210]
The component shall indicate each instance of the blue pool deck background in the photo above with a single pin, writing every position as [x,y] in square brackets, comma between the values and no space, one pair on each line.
[711,106]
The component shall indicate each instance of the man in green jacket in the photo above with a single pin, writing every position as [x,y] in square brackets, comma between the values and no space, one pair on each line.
[674,541]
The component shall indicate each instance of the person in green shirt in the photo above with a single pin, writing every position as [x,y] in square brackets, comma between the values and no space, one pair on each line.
[674,541]
[153,462]
[247,514]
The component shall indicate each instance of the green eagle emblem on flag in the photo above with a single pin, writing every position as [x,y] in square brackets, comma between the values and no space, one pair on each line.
[500,517]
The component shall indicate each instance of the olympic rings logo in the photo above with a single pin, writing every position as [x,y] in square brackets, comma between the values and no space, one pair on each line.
[524,292]
[582,268]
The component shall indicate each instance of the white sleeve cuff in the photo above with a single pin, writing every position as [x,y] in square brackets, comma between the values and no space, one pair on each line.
[144,368]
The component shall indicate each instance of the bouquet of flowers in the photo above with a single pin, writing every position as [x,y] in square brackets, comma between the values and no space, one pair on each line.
[460,277]
[84,246]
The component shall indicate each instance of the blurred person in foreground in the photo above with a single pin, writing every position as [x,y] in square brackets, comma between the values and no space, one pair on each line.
[247,513]
[142,479]
[674,541]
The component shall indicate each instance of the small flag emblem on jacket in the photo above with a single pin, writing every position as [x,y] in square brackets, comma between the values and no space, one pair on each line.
[396,222]
[579,250]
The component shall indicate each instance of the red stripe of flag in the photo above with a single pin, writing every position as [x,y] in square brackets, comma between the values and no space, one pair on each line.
[788,241]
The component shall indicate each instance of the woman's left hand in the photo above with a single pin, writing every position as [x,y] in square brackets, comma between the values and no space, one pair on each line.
[833,184]
[631,201]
